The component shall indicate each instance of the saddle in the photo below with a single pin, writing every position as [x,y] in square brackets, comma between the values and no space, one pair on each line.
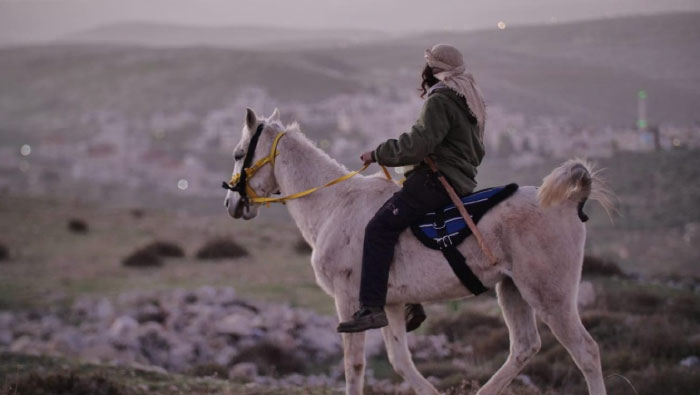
[445,229]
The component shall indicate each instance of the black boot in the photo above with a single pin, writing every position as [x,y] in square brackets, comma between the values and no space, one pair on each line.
[415,315]
[366,318]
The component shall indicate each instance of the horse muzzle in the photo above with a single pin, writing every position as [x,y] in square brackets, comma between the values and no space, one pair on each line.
[239,208]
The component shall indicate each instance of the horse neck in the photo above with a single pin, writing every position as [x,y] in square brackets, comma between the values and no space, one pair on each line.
[301,166]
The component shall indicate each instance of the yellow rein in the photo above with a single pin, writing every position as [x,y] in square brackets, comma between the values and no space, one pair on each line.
[250,172]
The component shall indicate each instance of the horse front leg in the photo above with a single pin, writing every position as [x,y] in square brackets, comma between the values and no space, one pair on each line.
[353,349]
[399,355]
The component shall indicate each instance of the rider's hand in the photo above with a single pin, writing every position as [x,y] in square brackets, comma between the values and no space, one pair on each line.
[366,158]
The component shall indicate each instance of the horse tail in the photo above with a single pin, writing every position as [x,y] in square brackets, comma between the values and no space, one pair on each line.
[576,180]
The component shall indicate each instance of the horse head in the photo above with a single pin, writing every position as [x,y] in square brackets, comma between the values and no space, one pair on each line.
[256,142]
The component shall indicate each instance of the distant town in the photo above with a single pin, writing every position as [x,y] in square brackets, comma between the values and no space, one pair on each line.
[184,153]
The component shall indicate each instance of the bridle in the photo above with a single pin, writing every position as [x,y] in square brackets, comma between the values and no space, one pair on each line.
[239,181]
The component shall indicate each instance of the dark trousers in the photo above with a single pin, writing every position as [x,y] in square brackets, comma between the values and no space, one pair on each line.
[421,193]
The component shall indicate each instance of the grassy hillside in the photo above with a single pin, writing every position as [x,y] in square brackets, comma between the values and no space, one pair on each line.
[645,329]
[50,264]
[42,79]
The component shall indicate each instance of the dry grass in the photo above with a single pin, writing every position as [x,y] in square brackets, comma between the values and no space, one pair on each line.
[209,370]
[51,265]
[644,330]
[63,383]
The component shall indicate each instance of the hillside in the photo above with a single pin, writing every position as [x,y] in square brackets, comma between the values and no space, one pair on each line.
[587,71]
[248,37]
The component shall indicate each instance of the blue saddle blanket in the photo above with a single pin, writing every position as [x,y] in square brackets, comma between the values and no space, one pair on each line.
[446,227]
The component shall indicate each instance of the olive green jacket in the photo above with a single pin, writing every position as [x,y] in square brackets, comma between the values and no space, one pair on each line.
[448,132]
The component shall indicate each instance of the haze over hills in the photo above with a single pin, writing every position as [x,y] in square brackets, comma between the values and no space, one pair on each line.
[589,72]
[248,37]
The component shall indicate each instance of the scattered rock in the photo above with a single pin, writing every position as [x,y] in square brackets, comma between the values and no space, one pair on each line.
[243,370]
[690,362]
[151,312]
[180,331]
[235,324]
[525,380]
[6,337]
[123,331]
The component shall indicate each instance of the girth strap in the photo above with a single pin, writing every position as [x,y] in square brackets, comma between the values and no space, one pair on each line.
[459,266]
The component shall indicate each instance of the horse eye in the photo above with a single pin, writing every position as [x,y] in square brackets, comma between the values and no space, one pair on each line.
[238,155]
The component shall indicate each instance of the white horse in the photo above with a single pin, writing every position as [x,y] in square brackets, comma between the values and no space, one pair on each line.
[537,238]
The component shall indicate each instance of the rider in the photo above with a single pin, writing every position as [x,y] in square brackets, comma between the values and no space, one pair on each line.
[451,130]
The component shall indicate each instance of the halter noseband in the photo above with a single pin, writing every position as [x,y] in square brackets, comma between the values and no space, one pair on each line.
[239,181]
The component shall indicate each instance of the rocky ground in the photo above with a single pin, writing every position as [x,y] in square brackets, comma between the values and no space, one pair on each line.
[205,332]
[209,340]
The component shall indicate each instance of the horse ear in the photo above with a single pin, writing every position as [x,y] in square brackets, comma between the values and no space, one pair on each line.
[275,115]
[251,119]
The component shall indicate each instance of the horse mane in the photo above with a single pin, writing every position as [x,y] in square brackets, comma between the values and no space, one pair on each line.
[293,131]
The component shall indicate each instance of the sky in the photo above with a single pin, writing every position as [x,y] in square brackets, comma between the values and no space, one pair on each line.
[25,21]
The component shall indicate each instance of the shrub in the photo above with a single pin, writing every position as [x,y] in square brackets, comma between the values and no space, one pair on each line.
[76,225]
[4,252]
[675,380]
[594,266]
[302,247]
[143,258]
[165,249]
[221,249]
[685,306]
[466,325]
[137,213]
[271,359]
[65,383]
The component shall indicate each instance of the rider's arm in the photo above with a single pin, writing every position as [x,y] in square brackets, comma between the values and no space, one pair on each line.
[429,130]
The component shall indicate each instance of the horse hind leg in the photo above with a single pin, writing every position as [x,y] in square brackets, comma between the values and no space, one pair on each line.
[399,355]
[571,333]
[556,305]
[522,330]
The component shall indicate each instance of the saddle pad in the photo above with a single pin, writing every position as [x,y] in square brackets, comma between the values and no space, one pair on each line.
[446,227]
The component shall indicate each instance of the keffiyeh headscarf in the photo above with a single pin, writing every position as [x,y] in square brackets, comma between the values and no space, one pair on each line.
[448,66]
